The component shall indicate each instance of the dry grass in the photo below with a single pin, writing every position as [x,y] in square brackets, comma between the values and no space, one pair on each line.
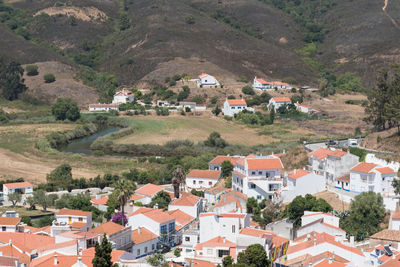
[296,158]
[158,130]
[81,13]
[333,200]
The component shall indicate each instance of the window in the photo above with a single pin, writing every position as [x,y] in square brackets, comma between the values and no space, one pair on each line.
[209,251]
[259,172]
[187,238]
[171,227]
[145,249]
[138,251]
[200,182]
[233,107]
[209,183]
[163,229]
[80,219]
[3,228]
[253,173]
[252,186]
[347,184]
[194,181]
[267,174]
[153,246]
[259,197]
[383,178]
[233,228]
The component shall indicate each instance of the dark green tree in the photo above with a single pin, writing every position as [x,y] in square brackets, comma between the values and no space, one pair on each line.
[41,198]
[248,90]
[11,82]
[162,199]
[49,78]
[254,255]
[60,176]
[227,261]
[65,109]
[14,198]
[102,257]
[32,70]
[272,116]
[215,140]
[217,110]
[124,22]
[226,168]
[251,205]
[366,214]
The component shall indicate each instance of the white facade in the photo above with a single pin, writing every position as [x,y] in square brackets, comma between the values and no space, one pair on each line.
[145,248]
[206,80]
[202,178]
[320,226]
[258,177]
[311,216]
[234,106]
[261,84]
[276,102]
[226,225]
[23,188]
[300,183]
[68,217]
[124,96]
[189,204]
[103,107]
[304,109]
[371,177]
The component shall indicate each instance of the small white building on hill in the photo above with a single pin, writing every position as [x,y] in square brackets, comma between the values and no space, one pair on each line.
[277,102]
[206,80]
[234,106]
[124,96]
[202,178]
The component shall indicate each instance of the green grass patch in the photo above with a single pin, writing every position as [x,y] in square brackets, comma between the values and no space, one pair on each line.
[22,211]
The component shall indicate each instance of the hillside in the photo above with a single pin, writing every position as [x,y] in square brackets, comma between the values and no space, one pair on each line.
[229,39]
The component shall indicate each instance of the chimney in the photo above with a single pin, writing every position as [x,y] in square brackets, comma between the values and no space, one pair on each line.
[294,171]
[139,230]
[393,256]
[224,240]
[315,242]
[79,259]
[352,241]
[98,196]
[55,259]
[308,237]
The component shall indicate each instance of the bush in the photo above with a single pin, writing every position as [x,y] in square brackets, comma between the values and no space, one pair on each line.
[65,109]
[248,90]
[198,99]
[49,78]
[32,70]
[172,83]
[190,19]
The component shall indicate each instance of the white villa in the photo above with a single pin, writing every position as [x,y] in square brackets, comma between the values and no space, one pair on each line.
[23,188]
[366,177]
[206,80]
[103,107]
[304,109]
[277,102]
[124,96]
[76,219]
[234,106]
[261,84]
[331,163]
[202,178]
[258,177]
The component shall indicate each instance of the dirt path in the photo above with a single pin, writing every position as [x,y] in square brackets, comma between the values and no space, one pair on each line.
[390,17]
[13,165]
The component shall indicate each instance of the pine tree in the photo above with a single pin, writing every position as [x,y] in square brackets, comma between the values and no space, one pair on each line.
[102,257]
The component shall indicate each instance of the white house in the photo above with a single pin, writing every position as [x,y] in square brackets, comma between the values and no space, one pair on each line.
[366,177]
[321,223]
[258,177]
[226,225]
[100,202]
[23,188]
[395,220]
[215,250]
[216,163]
[331,163]
[183,222]
[187,203]
[315,244]
[343,182]
[124,96]
[304,108]
[277,102]
[157,221]
[191,105]
[234,106]
[104,107]
[11,224]
[190,238]
[119,236]
[206,80]
[301,182]
[148,191]
[261,84]
[280,85]
[74,218]
[202,178]
[83,240]
[145,242]
[230,201]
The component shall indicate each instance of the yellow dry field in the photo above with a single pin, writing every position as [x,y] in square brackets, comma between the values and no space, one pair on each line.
[159,130]
[19,158]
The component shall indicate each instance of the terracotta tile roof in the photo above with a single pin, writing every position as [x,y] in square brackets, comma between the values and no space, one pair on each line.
[74,212]
[390,235]
[144,235]
[329,263]
[385,170]
[254,224]
[78,225]
[159,216]
[71,243]
[9,220]
[17,185]
[324,255]
[364,167]
[140,210]
[12,251]
[76,234]
[135,197]
[207,214]
[216,242]
[344,178]
[322,153]
[392,263]
[237,102]
[219,159]
[199,263]
[279,83]
[124,92]
[255,232]
[26,241]
[149,190]
[282,99]
[296,174]
[232,215]
[207,174]
[181,218]
[279,240]
[262,81]
[115,254]
[264,164]
[204,75]
[62,260]
[100,201]
[239,174]
[34,230]
[321,238]
[317,213]
[230,197]
[186,199]
[108,228]
[7,261]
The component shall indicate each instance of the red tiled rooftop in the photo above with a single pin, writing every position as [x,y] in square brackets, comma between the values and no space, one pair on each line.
[296,174]
[264,164]
[282,99]
[329,263]
[237,102]
[18,185]
[108,228]
[74,212]
[216,242]
[142,235]
[9,220]
[149,190]
[385,170]
[363,167]
[186,199]
[100,201]
[219,159]
[207,174]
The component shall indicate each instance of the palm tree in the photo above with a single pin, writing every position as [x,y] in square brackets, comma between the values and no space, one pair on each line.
[125,189]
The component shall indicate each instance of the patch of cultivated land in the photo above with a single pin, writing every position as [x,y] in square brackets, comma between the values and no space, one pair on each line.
[333,200]
[159,130]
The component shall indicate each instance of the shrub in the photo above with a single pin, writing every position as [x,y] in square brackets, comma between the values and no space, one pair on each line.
[198,99]
[32,70]
[65,109]
[172,83]
[248,90]
[49,78]
[190,19]
[378,139]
